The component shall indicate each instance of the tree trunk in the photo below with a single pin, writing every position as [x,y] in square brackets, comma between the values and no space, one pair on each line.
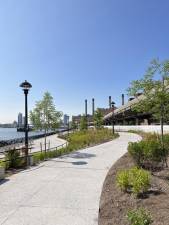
[162,126]
[162,129]
[41,146]
[45,140]
[162,134]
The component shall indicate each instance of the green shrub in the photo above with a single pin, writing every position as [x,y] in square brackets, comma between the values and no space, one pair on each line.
[38,156]
[6,165]
[122,180]
[81,139]
[149,152]
[154,151]
[136,151]
[139,217]
[136,180]
[41,156]
[166,144]
[139,180]
[2,164]
[13,158]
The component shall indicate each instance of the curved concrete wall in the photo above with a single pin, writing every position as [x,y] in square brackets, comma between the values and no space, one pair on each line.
[145,128]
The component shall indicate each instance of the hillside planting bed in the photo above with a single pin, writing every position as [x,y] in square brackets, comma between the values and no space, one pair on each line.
[115,204]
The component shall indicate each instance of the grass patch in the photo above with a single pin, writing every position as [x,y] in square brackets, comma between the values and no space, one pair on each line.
[82,139]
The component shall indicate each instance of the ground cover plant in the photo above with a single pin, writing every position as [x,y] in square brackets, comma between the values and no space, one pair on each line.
[139,217]
[134,180]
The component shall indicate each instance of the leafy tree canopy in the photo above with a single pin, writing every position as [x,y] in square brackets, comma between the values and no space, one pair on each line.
[45,116]
[74,126]
[155,89]
[83,123]
[98,119]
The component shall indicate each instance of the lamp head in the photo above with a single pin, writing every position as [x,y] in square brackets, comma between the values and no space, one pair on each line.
[25,85]
[112,103]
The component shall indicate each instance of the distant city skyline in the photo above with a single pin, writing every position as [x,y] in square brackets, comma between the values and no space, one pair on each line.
[77,50]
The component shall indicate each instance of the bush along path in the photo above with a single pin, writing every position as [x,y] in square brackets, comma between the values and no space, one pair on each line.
[61,191]
[137,186]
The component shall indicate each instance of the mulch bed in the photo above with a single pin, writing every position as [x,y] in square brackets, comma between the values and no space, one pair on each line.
[114,204]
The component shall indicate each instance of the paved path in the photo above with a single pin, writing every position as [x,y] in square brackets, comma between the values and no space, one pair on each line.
[63,191]
[52,141]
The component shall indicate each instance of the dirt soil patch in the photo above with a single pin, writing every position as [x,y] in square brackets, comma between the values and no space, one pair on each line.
[114,204]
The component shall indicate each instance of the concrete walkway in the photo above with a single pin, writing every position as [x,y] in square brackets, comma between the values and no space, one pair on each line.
[63,191]
[52,142]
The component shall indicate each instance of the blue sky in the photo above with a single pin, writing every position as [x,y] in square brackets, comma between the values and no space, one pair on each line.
[77,49]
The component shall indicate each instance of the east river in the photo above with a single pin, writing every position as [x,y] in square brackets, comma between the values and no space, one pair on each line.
[11,133]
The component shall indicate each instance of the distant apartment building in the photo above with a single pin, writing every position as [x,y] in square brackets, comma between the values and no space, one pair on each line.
[15,124]
[23,121]
[65,120]
[20,120]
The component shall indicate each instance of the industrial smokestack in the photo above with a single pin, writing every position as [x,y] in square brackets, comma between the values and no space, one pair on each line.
[86,107]
[110,102]
[122,99]
[93,106]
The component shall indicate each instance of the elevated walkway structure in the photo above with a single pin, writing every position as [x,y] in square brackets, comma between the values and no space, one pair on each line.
[125,115]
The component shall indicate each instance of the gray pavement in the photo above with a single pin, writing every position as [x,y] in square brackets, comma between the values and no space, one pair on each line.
[52,141]
[36,145]
[62,191]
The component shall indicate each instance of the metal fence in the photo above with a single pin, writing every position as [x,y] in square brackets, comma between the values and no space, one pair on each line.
[22,151]
[53,148]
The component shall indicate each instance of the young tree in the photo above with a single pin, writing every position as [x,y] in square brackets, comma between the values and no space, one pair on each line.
[45,116]
[73,126]
[98,119]
[83,123]
[155,88]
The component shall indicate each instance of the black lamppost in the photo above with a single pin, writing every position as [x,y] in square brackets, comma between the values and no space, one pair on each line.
[86,112]
[112,106]
[26,86]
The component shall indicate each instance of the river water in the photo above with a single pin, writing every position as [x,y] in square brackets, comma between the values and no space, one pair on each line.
[11,133]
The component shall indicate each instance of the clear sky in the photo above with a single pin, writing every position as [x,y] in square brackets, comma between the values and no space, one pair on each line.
[77,49]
